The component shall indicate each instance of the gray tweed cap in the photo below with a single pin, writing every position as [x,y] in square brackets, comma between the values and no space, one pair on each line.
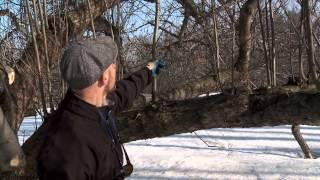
[84,61]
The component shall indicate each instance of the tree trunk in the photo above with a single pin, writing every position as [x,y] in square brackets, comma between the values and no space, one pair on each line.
[309,38]
[216,39]
[304,146]
[11,155]
[154,46]
[312,70]
[301,61]
[265,108]
[37,57]
[273,44]
[247,14]
[233,48]
[290,56]
[266,56]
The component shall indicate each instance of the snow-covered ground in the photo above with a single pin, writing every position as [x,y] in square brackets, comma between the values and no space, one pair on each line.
[248,153]
[28,126]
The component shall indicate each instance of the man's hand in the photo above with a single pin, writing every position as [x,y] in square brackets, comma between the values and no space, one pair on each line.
[156,66]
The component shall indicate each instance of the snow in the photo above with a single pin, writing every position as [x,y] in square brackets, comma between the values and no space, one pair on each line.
[249,153]
[230,153]
[28,126]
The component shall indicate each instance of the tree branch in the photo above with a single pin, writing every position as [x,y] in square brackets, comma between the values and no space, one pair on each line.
[165,30]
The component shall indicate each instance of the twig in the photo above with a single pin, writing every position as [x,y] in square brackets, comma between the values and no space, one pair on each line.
[91,19]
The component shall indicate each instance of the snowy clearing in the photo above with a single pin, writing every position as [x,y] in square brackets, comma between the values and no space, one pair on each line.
[248,153]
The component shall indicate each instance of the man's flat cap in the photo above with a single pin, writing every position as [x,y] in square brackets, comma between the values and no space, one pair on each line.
[83,62]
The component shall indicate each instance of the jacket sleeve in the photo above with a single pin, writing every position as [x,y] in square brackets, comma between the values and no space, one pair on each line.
[129,88]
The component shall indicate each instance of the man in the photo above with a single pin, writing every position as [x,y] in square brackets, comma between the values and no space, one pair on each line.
[82,141]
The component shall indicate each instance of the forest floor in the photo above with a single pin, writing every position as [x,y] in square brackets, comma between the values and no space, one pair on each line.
[235,153]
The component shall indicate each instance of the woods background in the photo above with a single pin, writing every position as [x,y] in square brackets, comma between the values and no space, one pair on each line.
[262,55]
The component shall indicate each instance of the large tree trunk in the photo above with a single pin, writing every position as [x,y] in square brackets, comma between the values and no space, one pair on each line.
[270,108]
[221,111]
[309,37]
[247,14]
[11,155]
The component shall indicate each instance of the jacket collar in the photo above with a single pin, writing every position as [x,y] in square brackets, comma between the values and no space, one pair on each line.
[78,106]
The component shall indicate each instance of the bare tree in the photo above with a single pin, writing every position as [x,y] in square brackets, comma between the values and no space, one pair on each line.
[154,46]
[247,15]
[266,55]
[273,44]
[309,37]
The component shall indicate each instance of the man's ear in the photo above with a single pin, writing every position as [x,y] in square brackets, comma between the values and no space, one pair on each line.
[105,77]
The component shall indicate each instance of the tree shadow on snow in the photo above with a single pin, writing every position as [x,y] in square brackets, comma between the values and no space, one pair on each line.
[284,152]
[177,173]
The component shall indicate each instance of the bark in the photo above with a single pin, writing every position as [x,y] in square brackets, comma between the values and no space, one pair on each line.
[192,89]
[309,37]
[220,111]
[312,70]
[273,50]
[266,56]
[290,56]
[304,146]
[47,60]
[269,107]
[247,14]
[191,9]
[37,57]
[91,19]
[11,154]
[301,62]
[183,28]
[165,30]
[216,39]
[233,46]
[154,45]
